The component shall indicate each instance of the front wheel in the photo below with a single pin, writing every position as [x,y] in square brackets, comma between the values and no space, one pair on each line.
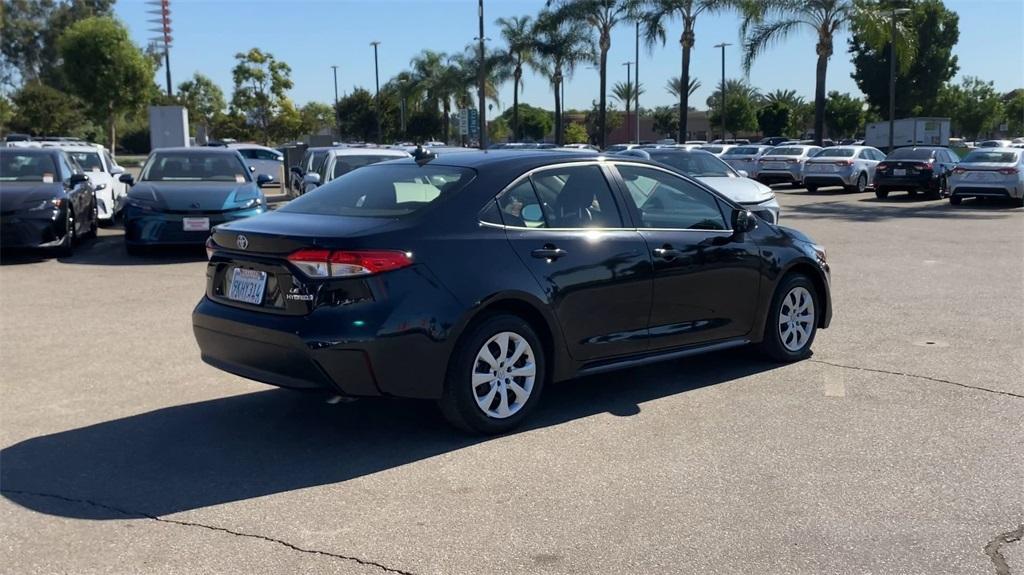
[495,377]
[792,320]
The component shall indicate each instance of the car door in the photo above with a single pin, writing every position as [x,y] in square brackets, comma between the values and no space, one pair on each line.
[565,226]
[706,278]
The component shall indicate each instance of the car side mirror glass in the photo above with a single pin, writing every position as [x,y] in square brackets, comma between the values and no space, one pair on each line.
[743,221]
[116,170]
[743,174]
[264,179]
[127,178]
[252,169]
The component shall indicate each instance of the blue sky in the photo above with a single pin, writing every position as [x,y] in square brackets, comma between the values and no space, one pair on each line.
[311,35]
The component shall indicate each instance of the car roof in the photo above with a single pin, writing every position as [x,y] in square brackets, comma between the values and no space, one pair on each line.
[517,159]
[244,146]
[197,150]
[367,152]
[76,147]
[40,151]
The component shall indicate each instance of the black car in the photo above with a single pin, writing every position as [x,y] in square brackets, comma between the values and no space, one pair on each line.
[916,169]
[476,278]
[46,200]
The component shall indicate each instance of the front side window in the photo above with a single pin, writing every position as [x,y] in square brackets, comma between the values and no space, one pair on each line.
[194,166]
[576,197]
[670,202]
[89,161]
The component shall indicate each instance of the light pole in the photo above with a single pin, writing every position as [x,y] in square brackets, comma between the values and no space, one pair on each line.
[629,79]
[892,74]
[337,116]
[722,46]
[636,71]
[376,75]
[482,80]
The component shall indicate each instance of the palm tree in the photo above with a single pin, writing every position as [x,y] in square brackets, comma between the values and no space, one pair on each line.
[604,16]
[625,93]
[674,87]
[426,70]
[561,45]
[657,14]
[520,50]
[768,21]
[787,98]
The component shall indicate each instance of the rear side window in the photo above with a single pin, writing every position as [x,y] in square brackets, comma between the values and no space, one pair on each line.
[382,191]
[576,197]
[519,206]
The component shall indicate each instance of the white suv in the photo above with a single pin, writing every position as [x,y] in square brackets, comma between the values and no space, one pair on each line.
[103,173]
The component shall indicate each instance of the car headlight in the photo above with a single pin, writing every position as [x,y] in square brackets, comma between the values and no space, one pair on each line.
[140,204]
[50,204]
[250,203]
[820,252]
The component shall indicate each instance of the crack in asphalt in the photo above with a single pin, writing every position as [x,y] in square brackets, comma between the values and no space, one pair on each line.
[914,375]
[993,548]
[137,514]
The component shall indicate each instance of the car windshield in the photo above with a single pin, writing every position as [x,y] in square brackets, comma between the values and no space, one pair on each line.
[345,164]
[194,167]
[743,151]
[697,165]
[910,154]
[90,161]
[382,191]
[983,157]
[835,153]
[785,152]
[20,167]
[617,148]
[712,149]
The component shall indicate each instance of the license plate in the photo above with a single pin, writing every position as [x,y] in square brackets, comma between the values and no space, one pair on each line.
[247,286]
[899,172]
[775,165]
[195,224]
[980,176]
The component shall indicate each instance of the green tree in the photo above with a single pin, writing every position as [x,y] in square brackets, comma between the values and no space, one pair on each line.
[520,46]
[535,122]
[741,103]
[575,133]
[358,118]
[666,121]
[41,110]
[561,45]
[602,16]
[773,118]
[498,130]
[261,87]
[6,112]
[108,72]
[1013,102]
[592,120]
[203,98]
[658,13]
[843,114]
[974,106]
[423,125]
[933,30]
[316,117]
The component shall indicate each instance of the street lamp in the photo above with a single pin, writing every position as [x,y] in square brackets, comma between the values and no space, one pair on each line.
[337,116]
[629,79]
[636,71]
[892,74]
[722,46]
[482,80]
[376,74]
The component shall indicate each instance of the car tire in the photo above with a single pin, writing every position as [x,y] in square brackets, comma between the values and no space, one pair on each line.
[94,225]
[1019,202]
[66,248]
[939,191]
[789,336]
[955,200]
[134,250]
[812,189]
[881,194]
[861,186]
[480,404]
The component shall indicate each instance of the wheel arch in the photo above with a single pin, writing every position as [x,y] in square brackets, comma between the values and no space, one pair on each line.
[821,287]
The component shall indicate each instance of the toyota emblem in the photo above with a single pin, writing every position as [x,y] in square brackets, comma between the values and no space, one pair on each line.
[242,242]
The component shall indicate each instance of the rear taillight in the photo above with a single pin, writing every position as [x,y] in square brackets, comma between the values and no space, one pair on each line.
[792,161]
[211,246]
[343,263]
[882,167]
[844,162]
[1007,171]
[959,171]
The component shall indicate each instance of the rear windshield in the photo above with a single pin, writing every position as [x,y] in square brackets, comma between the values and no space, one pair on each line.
[743,151]
[835,153]
[15,167]
[382,191]
[696,164]
[910,154]
[785,152]
[712,149]
[90,161]
[979,156]
[345,164]
[194,167]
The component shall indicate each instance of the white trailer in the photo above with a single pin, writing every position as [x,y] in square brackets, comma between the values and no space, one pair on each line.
[909,132]
[168,127]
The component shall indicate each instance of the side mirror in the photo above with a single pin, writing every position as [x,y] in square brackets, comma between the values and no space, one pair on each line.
[743,173]
[127,178]
[252,169]
[311,178]
[264,179]
[743,221]
[115,170]
[77,179]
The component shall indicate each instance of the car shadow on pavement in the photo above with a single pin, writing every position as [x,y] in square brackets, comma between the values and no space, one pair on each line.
[108,250]
[240,447]
[875,210]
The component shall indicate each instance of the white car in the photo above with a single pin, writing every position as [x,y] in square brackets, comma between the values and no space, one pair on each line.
[718,175]
[104,174]
[995,144]
[616,148]
[989,173]
[784,164]
[745,157]
[716,149]
[261,159]
[340,161]
[852,167]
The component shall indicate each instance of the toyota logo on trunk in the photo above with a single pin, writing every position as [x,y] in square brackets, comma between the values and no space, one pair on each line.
[242,242]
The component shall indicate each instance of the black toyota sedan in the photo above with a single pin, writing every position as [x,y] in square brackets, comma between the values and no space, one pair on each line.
[475,279]
[46,201]
[916,169]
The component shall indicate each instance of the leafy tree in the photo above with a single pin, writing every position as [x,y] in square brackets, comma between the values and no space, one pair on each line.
[232,125]
[974,106]
[203,98]
[498,130]
[1013,102]
[773,119]
[357,115]
[592,120]
[32,29]
[741,104]
[535,122]
[518,35]
[261,86]
[602,16]
[423,125]
[106,71]
[6,112]
[575,133]
[655,18]
[933,31]
[843,114]
[41,110]
[674,88]
[316,117]
[666,121]
[561,45]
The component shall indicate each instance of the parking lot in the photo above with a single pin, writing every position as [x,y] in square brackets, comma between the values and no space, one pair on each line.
[896,449]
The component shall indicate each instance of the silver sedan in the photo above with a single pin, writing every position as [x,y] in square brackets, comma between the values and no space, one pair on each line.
[784,164]
[852,167]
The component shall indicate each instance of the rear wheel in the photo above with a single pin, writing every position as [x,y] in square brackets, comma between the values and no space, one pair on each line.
[861,186]
[495,377]
[881,193]
[939,191]
[812,189]
[792,320]
[1019,202]
[955,200]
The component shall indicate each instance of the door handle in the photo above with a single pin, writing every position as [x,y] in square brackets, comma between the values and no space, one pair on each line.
[667,252]
[548,252]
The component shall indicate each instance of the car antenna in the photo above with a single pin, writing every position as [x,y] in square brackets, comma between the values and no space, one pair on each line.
[423,155]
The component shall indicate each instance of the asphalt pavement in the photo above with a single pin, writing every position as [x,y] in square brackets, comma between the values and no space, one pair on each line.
[897,448]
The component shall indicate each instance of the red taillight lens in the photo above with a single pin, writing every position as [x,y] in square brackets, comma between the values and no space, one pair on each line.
[211,246]
[326,263]
[882,167]
[1007,171]
[844,162]
[791,161]
[959,171]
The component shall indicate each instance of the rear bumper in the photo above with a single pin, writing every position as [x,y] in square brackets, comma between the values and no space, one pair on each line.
[17,231]
[829,180]
[778,176]
[157,228]
[987,191]
[918,182]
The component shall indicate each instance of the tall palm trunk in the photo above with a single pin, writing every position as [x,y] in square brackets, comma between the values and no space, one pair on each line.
[515,103]
[686,40]
[602,112]
[824,49]
[557,84]
[447,108]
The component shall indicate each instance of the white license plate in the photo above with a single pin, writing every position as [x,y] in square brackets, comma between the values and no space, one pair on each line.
[247,286]
[775,166]
[195,224]
[981,176]
[822,168]
[899,172]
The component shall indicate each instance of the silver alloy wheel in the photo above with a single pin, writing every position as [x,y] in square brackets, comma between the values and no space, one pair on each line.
[503,375]
[796,318]
[862,182]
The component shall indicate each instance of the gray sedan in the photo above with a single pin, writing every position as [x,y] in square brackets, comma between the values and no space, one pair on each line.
[852,167]
[261,159]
